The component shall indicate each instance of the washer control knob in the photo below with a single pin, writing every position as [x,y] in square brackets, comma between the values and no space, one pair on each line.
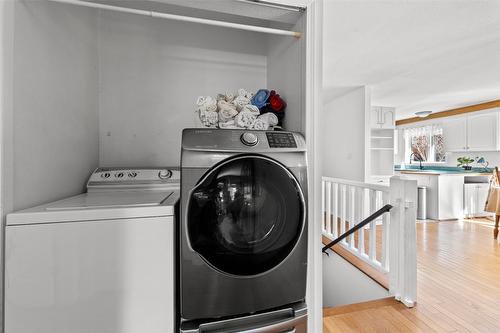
[105,175]
[119,175]
[165,174]
[249,139]
[132,174]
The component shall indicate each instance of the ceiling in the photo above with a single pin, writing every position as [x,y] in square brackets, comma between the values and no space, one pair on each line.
[414,54]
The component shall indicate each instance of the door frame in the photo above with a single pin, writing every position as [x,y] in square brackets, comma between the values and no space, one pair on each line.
[6,128]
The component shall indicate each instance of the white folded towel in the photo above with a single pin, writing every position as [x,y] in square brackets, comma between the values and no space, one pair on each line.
[206,103]
[228,124]
[270,117]
[245,119]
[240,102]
[251,108]
[228,97]
[227,111]
[265,121]
[260,125]
[245,93]
[209,118]
[242,99]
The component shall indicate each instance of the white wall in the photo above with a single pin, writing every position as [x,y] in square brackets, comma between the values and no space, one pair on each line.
[345,284]
[55,116]
[343,133]
[493,157]
[147,86]
[286,74]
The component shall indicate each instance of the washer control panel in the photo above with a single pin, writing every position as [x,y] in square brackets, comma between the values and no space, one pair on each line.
[249,139]
[239,140]
[281,140]
[134,177]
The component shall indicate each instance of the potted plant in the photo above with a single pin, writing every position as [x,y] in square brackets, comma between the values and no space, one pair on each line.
[465,162]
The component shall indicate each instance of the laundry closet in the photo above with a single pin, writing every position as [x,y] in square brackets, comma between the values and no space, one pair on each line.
[99,88]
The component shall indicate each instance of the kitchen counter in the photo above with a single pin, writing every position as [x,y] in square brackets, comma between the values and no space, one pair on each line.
[443,172]
[445,188]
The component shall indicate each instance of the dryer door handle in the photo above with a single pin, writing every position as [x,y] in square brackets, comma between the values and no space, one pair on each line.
[281,326]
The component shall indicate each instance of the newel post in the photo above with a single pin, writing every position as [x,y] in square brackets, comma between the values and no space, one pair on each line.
[403,241]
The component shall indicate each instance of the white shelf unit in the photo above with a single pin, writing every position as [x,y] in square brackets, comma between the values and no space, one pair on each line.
[93,87]
[392,149]
[381,153]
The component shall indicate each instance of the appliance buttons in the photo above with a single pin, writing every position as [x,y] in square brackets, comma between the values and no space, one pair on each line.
[165,174]
[132,174]
[119,175]
[249,139]
[105,175]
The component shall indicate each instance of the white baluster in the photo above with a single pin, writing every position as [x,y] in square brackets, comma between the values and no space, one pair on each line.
[372,252]
[323,205]
[360,204]
[344,211]
[352,201]
[328,202]
[335,209]
[385,234]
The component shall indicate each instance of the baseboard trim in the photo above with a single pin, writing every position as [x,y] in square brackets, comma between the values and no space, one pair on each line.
[388,301]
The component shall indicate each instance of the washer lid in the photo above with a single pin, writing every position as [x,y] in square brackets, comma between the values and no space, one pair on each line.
[99,206]
[110,200]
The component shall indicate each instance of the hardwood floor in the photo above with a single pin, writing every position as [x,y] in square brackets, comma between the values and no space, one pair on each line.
[458,285]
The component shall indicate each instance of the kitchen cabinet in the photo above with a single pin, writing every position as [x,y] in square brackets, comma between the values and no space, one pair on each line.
[482,131]
[474,132]
[475,195]
[444,194]
[382,117]
[454,133]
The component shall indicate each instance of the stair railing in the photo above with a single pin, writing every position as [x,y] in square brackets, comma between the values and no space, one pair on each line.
[385,238]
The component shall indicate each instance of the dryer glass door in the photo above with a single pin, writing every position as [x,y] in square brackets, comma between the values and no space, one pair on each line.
[246,215]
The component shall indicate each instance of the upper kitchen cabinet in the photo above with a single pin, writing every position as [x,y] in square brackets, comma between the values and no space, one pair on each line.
[482,131]
[454,132]
[382,117]
[474,132]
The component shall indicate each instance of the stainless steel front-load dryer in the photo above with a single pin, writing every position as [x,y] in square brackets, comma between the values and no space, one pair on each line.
[242,231]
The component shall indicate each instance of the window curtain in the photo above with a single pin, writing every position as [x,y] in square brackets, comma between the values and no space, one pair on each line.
[425,143]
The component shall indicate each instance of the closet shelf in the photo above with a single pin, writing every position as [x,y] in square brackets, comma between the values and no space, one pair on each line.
[182,18]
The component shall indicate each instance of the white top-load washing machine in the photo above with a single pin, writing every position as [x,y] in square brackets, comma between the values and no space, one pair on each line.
[99,262]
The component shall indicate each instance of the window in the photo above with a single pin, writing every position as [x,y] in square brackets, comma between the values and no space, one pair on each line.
[425,144]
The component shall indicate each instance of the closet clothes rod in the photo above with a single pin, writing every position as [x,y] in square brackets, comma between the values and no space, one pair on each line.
[182,18]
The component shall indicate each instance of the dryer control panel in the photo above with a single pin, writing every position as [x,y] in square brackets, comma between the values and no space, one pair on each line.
[141,177]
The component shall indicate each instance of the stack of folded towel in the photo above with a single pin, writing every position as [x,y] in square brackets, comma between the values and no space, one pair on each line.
[263,110]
